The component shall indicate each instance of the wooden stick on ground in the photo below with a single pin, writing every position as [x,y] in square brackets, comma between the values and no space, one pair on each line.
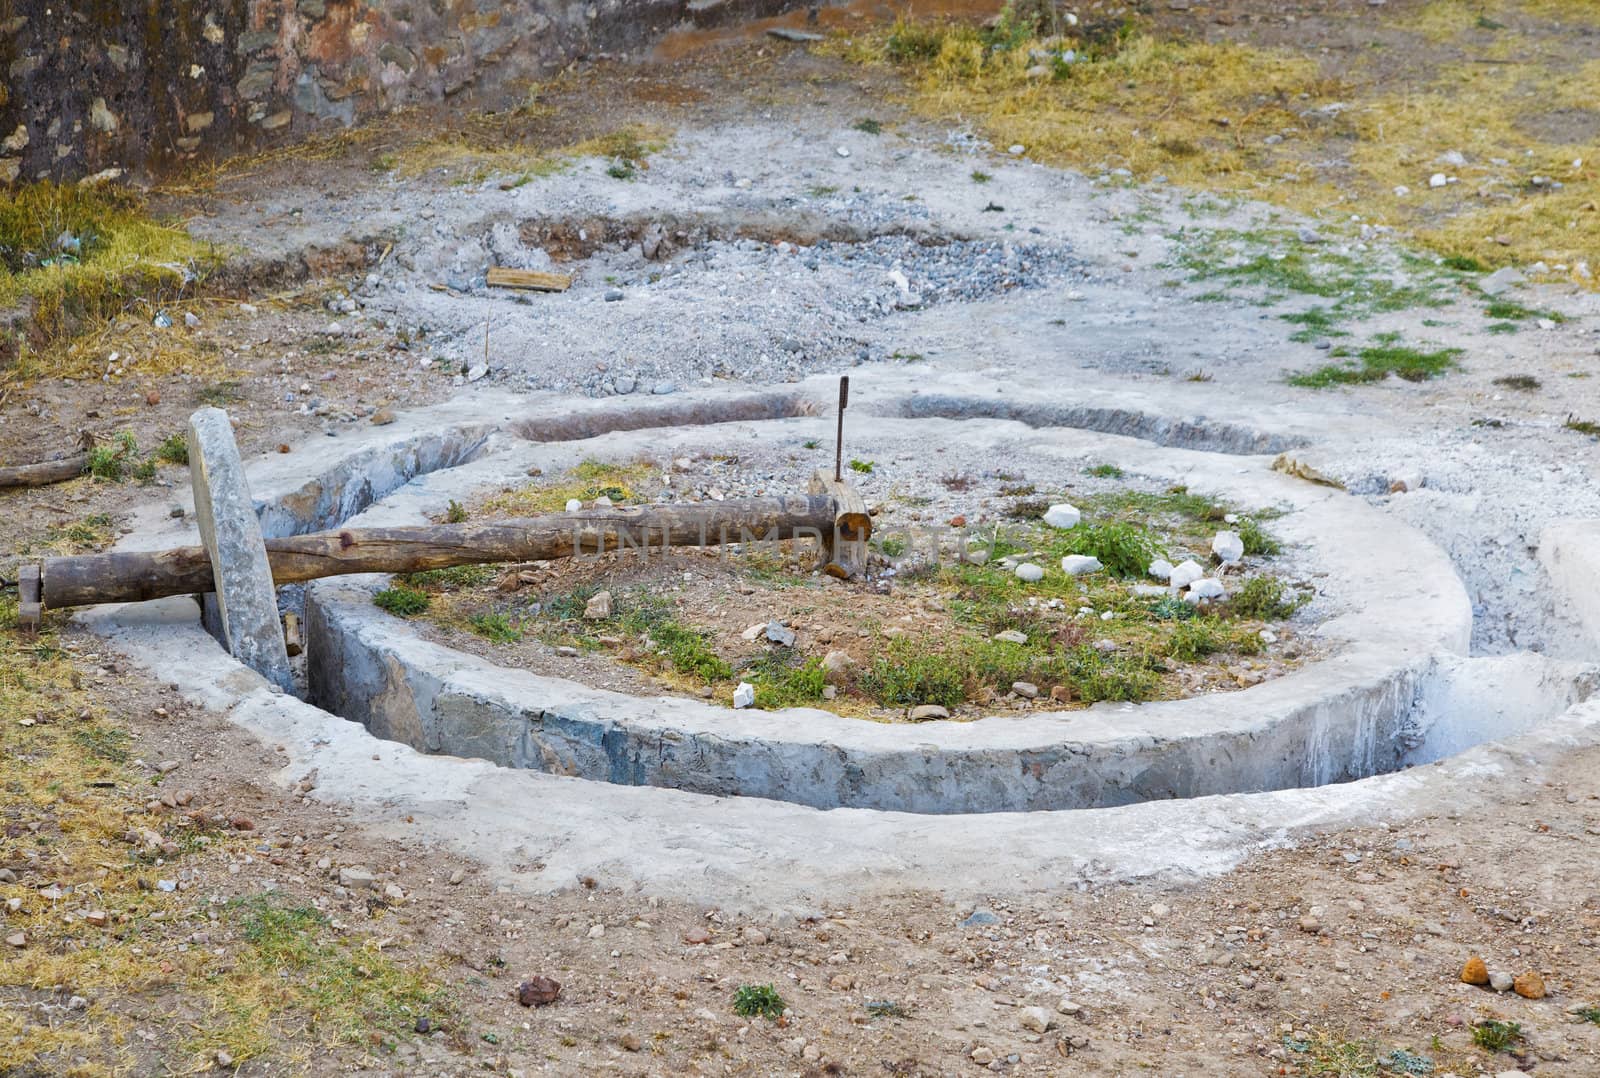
[120,577]
[845,545]
[44,473]
[529,280]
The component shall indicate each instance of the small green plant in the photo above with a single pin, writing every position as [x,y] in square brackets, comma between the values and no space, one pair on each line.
[110,461]
[1582,426]
[455,512]
[782,680]
[174,449]
[886,1008]
[758,1000]
[622,169]
[497,628]
[1104,471]
[1256,539]
[1512,311]
[401,601]
[1264,597]
[1590,1014]
[1402,1061]
[868,126]
[145,470]
[811,443]
[1124,549]
[862,466]
[979,176]
[1464,264]
[1493,1035]
[1522,383]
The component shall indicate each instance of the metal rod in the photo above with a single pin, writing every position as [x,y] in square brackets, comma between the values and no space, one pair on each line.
[838,441]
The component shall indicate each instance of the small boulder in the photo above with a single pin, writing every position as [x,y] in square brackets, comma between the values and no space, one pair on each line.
[1228,547]
[780,634]
[1529,985]
[1029,572]
[744,695]
[1473,971]
[574,505]
[1185,574]
[1080,564]
[538,992]
[598,606]
[836,666]
[925,712]
[1025,689]
[1035,1019]
[1062,516]
[1208,587]
[1161,569]
[1010,636]
[1502,982]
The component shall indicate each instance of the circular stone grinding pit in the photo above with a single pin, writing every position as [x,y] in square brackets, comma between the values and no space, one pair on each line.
[1380,694]
[1393,689]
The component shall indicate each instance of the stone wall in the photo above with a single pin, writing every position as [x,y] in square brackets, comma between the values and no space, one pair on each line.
[139,84]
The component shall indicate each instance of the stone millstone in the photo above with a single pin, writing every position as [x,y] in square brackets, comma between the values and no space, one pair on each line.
[246,600]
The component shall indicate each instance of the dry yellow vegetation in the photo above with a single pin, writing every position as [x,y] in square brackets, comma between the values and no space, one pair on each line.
[1274,124]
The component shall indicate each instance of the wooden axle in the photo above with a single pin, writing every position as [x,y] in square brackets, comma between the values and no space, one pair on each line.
[120,577]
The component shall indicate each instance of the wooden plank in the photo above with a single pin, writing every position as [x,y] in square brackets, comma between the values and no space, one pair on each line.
[531,280]
[122,577]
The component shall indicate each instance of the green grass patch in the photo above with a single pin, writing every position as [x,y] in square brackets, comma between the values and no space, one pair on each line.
[908,674]
[1256,539]
[1316,323]
[1104,471]
[110,460]
[1582,426]
[863,466]
[402,601]
[1265,597]
[783,678]
[1522,383]
[1508,310]
[497,628]
[451,578]
[1379,362]
[1126,550]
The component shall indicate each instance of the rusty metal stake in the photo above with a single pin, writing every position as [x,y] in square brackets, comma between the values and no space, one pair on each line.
[838,441]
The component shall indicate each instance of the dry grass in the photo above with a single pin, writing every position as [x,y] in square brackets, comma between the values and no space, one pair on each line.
[79,257]
[1201,114]
[273,971]
[586,482]
[489,146]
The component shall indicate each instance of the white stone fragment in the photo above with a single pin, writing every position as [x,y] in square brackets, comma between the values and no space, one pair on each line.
[1228,547]
[745,695]
[574,505]
[1208,588]
[1062,516]
[1161,569]
[1080,564]
[1029,572]
[1185,574]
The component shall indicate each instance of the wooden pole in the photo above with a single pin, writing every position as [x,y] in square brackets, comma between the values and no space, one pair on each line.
[45,473]
[845,545]
[121,577]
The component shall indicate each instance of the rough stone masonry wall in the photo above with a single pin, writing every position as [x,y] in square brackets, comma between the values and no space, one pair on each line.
[138,84]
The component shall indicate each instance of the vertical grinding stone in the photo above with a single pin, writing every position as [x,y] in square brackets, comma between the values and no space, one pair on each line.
[246,600]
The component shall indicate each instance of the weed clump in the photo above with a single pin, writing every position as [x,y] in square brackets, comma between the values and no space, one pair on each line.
[1493,1035]
[109,461]
[1377,363]
[758,1000]
[401,601]
[1124,549]
[1265,597]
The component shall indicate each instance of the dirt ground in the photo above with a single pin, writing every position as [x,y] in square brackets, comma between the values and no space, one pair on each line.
[1339,955]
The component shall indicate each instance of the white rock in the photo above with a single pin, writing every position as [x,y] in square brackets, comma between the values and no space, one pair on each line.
[1438,179]
[477,371]
[1268,636]
[1029,572]
[744,695]
[1150,591]
[574,505]
[1185,574]
[1080,564]
[1401,190]
[1228,547]
[1012,636]
[1062,516]
[1500,281]
[598,606]
[1161,569]
[1208,588]
[602,502]
[842,151]
[1034,1019]
[1016,149]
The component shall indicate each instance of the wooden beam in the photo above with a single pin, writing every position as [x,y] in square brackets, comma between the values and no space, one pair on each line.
[529,280]
[121,577]
[846,542]
[44,473]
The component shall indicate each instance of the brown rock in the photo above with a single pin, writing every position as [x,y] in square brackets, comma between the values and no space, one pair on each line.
[538,992]
[698,934]
[243,823]
[1529,985]
[1473,971]
[95,917]
[382,417]
[17,939]
[152,398]
[958,522]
